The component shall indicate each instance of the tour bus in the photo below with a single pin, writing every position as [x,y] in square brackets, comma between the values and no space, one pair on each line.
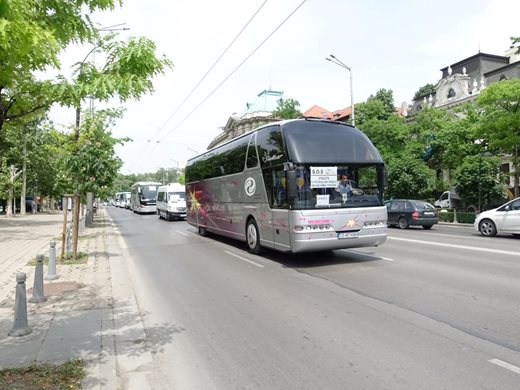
[276,187]
[143,197]
[171,201]
[117,199]
[122,199]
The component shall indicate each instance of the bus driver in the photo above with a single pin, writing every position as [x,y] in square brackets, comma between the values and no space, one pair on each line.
[344,186]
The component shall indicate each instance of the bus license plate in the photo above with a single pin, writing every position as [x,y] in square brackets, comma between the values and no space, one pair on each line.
[348,235]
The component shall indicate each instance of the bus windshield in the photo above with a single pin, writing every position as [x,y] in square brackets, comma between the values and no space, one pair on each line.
[148,192]
[332,186]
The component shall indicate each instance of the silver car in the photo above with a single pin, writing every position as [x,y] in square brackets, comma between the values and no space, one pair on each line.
[505,219]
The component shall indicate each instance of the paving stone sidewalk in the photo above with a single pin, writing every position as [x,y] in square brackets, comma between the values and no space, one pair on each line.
[79,318]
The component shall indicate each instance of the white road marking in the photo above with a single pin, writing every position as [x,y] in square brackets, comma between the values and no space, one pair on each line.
[479,237]
[244,259]
[366,254]
[505,365]
[471,248]
[183,234]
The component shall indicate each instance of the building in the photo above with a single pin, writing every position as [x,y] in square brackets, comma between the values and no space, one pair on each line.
[463,80]
[342,115]
[256,114]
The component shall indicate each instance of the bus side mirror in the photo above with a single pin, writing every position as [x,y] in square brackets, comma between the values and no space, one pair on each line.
[292,190]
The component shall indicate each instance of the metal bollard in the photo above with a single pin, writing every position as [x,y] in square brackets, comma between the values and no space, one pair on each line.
[38,296]
[20,326]
[51,269]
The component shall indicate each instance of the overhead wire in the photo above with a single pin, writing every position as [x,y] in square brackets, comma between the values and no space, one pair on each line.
[210,69]
[234,70]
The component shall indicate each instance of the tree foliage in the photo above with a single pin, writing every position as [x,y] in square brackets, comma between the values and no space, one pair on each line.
[500,122]
[388,136]
[379,106]
[409,178]
[478,180]
[287,109]
[33,33]
[92,159]
[425,90]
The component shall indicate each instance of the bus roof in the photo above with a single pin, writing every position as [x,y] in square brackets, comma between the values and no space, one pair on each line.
[306,142]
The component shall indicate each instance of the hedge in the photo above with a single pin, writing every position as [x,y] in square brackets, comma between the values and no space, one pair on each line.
[462,216]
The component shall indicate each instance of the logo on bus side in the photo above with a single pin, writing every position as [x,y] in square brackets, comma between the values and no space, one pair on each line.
[250,186]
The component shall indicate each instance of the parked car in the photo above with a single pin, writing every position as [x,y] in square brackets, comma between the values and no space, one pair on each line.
[504,219]
[411,212]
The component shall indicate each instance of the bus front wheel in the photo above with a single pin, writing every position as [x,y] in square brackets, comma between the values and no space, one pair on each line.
[252,237]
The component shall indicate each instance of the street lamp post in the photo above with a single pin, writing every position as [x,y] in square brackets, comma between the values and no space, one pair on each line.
[338,62]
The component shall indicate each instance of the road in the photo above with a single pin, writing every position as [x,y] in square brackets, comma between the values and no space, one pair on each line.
[434,309]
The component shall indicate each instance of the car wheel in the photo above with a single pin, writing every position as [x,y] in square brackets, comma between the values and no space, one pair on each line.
[427,227]
[168,217]
[403,223]
[202,231]
[487,228]
[252,237]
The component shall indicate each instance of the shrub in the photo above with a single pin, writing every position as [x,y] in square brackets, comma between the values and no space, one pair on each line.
[462,216]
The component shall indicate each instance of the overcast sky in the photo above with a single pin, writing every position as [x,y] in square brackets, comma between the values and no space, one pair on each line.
[397,45]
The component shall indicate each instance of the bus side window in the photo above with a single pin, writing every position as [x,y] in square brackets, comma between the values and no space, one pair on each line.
[252,157]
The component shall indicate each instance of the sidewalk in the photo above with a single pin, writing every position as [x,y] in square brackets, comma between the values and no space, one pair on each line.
[89,314]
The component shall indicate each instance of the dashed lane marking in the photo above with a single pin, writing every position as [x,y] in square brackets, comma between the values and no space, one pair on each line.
[471,248]
[244,259]
[505,365]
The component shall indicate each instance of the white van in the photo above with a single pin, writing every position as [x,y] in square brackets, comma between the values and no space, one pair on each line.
[171,201]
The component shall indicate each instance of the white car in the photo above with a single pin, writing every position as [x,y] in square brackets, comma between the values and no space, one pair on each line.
[505,219]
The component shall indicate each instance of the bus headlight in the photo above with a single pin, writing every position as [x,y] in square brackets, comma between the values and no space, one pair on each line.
[312,228]
[374,224]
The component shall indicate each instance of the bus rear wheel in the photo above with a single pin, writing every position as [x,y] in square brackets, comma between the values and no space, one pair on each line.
[202,231]
[253,237]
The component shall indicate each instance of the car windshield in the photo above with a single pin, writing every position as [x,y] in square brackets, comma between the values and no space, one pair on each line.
[176,196]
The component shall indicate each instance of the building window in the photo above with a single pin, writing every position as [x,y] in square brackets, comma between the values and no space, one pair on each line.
[451,93]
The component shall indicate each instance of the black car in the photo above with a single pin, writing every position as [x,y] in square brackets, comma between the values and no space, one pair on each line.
[409,212]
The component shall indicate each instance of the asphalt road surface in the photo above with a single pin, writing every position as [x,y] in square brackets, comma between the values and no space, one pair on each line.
[436,309]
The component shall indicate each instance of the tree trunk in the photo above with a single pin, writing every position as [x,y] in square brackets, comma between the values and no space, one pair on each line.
[24,179]
[75,226]
[13,174]
[9,210]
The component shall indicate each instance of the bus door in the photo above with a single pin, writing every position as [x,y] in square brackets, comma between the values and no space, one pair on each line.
[280,211]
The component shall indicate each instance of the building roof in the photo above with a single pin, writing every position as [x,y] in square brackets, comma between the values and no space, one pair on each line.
[318,112]
[266,101]
[481,55]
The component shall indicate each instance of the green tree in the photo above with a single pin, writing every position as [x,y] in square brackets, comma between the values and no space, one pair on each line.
[389,136]
[409,178]
[500,123]
[477,180]
[425,90]
[379,106]
[92,158]
[287,109]
[32,35]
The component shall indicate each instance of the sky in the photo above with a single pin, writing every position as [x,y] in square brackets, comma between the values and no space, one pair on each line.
[398,45]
